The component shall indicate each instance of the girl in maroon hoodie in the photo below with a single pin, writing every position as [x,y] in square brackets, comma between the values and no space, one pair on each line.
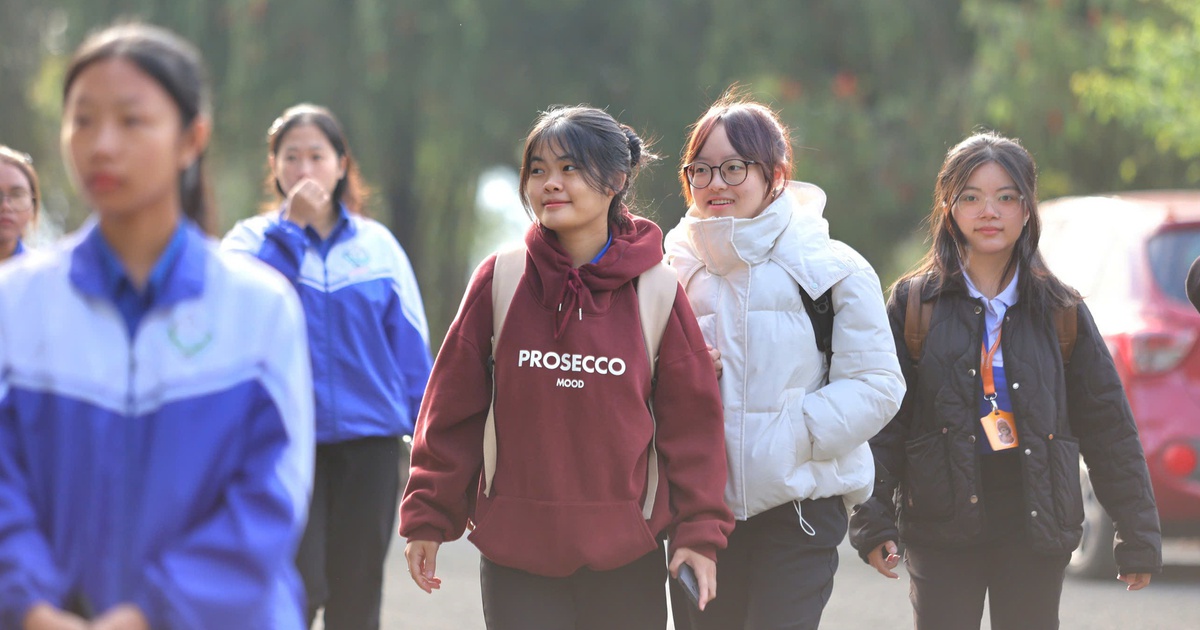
[561,528]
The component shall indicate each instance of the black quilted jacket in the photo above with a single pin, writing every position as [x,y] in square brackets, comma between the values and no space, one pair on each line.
[927,467]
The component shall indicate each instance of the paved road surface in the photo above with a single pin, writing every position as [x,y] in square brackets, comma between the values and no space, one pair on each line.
[861,598]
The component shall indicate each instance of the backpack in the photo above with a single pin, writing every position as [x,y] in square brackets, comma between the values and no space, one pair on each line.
[919,313]
[820,313]
[656,290]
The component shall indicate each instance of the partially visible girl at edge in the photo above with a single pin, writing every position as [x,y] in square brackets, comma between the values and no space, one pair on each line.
[796,426]
[20,198]
[370,355]
[564,543]
[999,517]
[155,443]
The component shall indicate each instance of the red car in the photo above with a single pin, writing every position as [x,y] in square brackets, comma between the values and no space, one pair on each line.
[1128,254]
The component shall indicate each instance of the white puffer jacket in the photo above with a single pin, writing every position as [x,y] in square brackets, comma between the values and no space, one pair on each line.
[789,435]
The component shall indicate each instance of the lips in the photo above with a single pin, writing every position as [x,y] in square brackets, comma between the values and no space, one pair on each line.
[102,182]
[554,204]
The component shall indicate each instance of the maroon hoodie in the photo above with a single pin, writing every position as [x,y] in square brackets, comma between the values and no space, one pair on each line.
[572,426]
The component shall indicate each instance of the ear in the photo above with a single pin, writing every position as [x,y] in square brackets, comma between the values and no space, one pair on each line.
[194,141]
[619,184]
[343,166]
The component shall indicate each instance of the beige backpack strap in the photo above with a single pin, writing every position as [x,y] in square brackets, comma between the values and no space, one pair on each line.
[1066,321]
[656,291]
[510,266]
[917,315]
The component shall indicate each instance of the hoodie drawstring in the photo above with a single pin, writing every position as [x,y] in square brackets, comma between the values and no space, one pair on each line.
[804,525]
[570,297]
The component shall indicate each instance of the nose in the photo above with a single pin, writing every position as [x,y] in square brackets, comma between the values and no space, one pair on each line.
[990,208]
[717,181]
[553,182]
[107,139]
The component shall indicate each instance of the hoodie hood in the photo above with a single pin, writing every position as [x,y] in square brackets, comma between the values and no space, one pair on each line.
[571,291]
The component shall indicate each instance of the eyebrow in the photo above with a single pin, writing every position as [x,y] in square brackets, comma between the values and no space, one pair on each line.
[731,156]
[560,158]
[1012,187]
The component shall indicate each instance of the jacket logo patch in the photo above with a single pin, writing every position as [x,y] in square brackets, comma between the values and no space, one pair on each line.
[357,256]
[188,335]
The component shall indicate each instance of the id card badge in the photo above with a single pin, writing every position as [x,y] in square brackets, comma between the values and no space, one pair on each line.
[1001,430]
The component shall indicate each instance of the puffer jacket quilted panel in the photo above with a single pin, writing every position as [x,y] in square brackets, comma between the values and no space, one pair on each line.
[926,459]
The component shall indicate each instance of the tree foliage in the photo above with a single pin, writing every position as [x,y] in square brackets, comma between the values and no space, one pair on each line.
[434,93]
[1148,78]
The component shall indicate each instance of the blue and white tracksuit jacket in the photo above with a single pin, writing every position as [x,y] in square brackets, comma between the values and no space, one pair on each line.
[169,468]
[366,322]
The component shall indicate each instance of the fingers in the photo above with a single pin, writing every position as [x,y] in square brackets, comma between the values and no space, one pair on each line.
[673,567]
[883,559]
[715,355]
[306,201]
[1135,581]
[122,617]
[706,579]
[422,564]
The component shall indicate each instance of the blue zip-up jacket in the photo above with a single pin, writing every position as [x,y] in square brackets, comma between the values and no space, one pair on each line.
[366,322]
[170,468]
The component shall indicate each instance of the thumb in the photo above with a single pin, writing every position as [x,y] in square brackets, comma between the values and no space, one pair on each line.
[890,546]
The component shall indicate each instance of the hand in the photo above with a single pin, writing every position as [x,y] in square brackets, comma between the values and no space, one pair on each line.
[422,564]
[715,355]
[884,559]
[43,616]
[1136,581]
[308,204]
[121,617]
[706,572]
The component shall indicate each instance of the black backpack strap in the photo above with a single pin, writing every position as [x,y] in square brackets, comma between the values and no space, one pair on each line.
[820,313]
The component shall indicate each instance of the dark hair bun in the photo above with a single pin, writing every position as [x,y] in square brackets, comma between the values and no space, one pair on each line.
[635,146]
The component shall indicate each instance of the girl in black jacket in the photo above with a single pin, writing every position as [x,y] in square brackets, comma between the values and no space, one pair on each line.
[978,473]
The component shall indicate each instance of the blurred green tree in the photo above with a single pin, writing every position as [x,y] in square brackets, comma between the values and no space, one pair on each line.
[1147,80]
[434,93]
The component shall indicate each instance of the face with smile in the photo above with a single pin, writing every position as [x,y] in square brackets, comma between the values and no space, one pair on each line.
[16,210]
[561,197]
[123,140]
[990,212]
[744,200]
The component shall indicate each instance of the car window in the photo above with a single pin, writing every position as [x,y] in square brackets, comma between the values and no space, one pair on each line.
[1171,254]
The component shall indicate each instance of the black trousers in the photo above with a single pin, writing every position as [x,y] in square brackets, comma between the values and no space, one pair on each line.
[356,485]
[774,575]
[947,587]
[630,597]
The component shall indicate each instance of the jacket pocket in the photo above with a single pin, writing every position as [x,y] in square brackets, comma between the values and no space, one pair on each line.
[928,494]
[556,538]
[1064,482]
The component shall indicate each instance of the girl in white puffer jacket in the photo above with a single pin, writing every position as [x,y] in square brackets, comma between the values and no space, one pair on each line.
[796,428]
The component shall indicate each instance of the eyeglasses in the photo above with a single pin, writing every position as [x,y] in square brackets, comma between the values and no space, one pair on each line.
[17,200]
[975,203]
[733,172]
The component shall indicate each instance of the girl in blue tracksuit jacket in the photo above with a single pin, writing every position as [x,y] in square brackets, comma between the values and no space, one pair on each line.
[155,442]
[19,200]
[370,355]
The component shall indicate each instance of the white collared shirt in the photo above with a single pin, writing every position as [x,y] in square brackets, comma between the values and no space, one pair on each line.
[994,309]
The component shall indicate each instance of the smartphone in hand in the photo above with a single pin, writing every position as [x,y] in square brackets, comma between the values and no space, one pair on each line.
[687,579]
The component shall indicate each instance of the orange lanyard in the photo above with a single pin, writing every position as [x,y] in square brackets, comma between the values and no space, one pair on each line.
[985,370]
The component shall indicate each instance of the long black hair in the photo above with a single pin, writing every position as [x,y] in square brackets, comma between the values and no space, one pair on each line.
[943,263]
[178,68]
